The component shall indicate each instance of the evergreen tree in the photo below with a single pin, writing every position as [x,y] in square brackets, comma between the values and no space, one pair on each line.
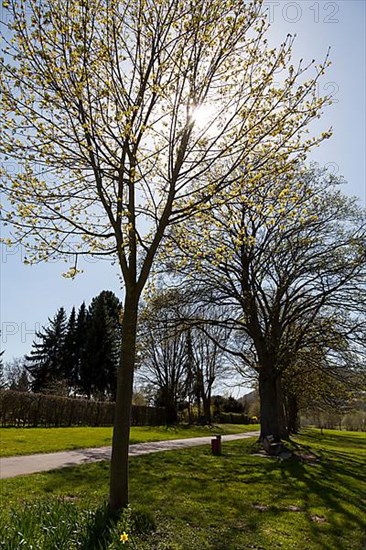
[100,358]
[46,360]
[70,351]
[80,342]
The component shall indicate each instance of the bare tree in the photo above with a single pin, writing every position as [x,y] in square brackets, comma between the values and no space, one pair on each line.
[122,117]
[16,376]
[162,357]
[209,364]
[288,264]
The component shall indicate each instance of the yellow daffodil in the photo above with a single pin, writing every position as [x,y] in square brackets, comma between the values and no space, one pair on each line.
[124,537]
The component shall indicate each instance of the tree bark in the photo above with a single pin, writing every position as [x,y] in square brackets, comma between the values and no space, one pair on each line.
[269,410]
[118,496]
[282,420]
[207,408]
[293,414]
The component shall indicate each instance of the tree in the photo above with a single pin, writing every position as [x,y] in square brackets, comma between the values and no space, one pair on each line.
[128,116]
[2,379]
[45,362]
[326,377]
[81,332]
[70,352]
[99,362]
[209,363]
[163,362]
[16,375]
[288,262]
[182,360]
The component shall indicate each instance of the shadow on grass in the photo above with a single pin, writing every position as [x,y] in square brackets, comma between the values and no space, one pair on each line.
[100,530]
[231,502]
[339,492]
[342,440]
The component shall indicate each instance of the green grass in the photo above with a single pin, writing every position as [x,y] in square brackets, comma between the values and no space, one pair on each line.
[233,502]
[26,441]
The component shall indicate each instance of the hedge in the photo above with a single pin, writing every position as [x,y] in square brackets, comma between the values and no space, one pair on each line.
[36,409]
[232,418]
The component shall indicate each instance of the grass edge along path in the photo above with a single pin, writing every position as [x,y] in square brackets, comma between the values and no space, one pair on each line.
[24,465]
[27,441]
[190,499]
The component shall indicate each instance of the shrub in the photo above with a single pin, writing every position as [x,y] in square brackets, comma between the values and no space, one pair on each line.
[232,418]
[36,409]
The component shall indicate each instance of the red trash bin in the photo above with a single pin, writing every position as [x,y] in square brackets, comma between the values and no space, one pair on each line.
[216,445]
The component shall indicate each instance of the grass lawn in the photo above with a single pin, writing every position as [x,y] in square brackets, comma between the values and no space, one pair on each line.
[198,501]
[26,441]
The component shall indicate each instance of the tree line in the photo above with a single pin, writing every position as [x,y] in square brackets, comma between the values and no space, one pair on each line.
[75,355]
[284,271]
[270,291]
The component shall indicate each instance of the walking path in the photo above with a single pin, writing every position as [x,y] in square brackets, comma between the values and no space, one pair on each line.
[23,465]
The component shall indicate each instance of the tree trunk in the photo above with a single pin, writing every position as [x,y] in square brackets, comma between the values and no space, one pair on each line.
[118,496]
[282,420]
[171,411]
[269,405]
[293,414]
[207,408]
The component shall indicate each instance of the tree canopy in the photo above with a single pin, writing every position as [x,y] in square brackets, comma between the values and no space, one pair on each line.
[288,262]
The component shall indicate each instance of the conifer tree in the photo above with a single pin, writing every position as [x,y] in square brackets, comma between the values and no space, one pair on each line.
[70,351]
[102,347]
[45,362]
[80,341]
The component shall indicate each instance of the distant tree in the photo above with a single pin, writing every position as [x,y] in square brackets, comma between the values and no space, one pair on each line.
[162,363]
[22,384]
[227,404]
[139,399]
[209,363]
[81,333]
[45,362]
[70,352]
[100,358]
[320,383]
[15,374]
[2,377]
[182,358]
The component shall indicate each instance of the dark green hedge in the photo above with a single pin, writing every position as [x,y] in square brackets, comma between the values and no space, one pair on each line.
[36,409]
[232,418]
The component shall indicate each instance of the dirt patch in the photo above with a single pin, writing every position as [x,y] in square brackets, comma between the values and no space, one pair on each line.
[318,519]
[306,457]
[261,507]
[292,508]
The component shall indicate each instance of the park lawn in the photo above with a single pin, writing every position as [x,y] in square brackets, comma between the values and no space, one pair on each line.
[27,441]
[231,502]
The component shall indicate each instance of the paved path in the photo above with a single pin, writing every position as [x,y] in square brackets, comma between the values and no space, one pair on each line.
[23,465]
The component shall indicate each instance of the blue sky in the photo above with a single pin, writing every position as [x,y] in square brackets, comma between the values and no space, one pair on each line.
[31,294]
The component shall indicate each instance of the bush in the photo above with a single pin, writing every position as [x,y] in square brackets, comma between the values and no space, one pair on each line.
[36,409]
[355,421]
[232,418]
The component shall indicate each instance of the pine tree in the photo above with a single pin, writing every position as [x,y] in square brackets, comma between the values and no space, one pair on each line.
[100,358]
[45,362]
[70,351]
[81,334]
